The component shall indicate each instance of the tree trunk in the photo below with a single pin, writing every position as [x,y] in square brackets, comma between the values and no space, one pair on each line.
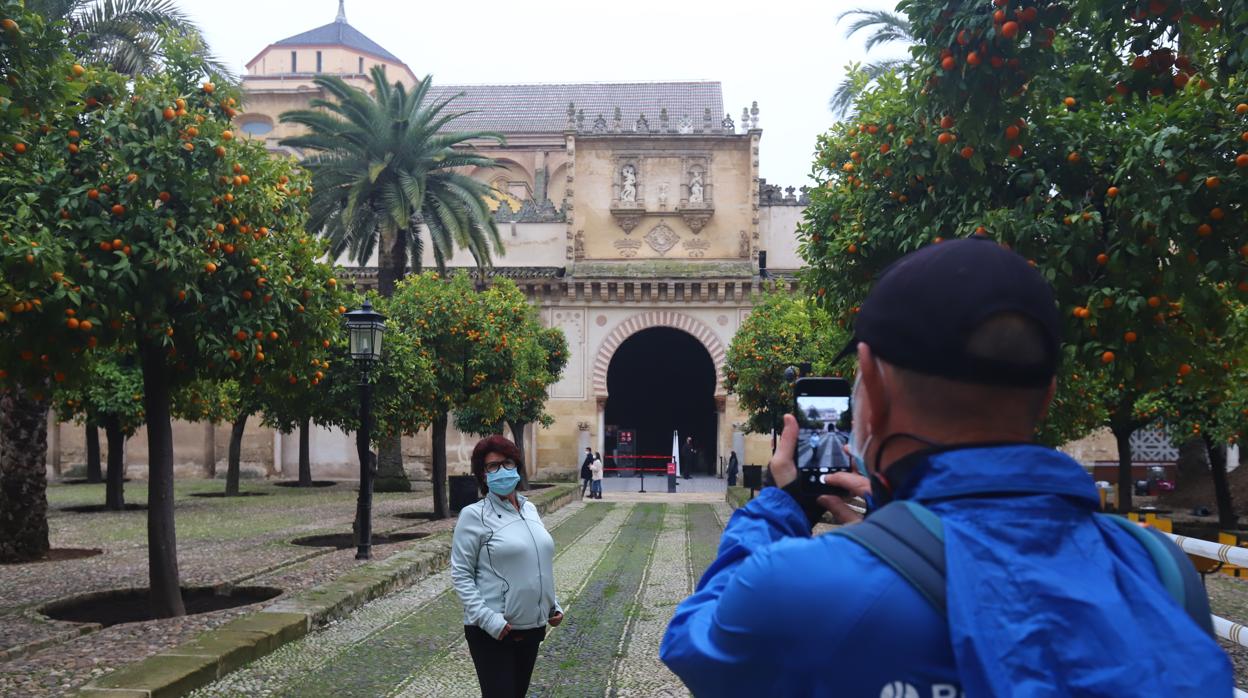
[441,507]
[162,542]
[1221,488]
[23,476]
[94,473]
[391,262]
[517,437]
[234,465]
[391,476]
[210,450]
[114,490]
[1126,484]
[305,455]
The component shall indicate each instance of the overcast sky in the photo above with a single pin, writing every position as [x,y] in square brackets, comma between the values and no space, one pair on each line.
[788,55]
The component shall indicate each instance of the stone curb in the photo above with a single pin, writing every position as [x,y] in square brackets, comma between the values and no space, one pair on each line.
[215,653]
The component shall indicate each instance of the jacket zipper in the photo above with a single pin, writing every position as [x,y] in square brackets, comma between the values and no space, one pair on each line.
[541,583]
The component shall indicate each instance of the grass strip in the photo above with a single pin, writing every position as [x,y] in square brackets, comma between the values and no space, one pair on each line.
[578,659]
[377,663]
[704,532]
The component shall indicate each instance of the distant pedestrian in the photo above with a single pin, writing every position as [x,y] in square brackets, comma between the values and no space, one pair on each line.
[595,469]
[586,476]
[732,469]
[498,544]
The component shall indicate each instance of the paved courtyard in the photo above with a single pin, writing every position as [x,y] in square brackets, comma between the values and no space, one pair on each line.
[621,568]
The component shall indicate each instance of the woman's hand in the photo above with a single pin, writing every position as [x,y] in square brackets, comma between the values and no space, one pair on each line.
[555,619]
[506,629]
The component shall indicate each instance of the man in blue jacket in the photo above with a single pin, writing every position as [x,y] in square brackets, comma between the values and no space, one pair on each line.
[958,347]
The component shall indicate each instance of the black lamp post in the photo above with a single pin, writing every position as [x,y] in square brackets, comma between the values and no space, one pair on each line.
[366,327]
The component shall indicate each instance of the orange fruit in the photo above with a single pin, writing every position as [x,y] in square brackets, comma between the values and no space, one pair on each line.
[885,148]
[1069,101]
[972,59]
[73,148]
[209,87]
[946,122]
[1011,132]
[210,267]
[227,135]
[1102,259]
[220,151]
[946,138]
[1184,369]
[1111,192]
[1009,30]
[118,210]
[1241,108]
[1016,151]
[1154,301]
[1073,158]
[949,63]
[72,323]
[1130,337]
[19,148]
[78,70]
[1204,230]
[169,114]
[85,325]
[1217,214]
[1241,160]
[93,194]
[1213,182]
[967,152]
[1107,357]
[332,283]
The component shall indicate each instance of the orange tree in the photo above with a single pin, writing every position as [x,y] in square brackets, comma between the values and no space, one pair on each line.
[1211,404]
[186,244]
[783,330]
[43,95]
[1078,134]
[206,400]
[532,359]
[469,355]
[108,394]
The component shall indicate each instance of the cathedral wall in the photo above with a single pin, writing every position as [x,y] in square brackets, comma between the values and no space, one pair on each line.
[276,60]
[777,228]
[663,170]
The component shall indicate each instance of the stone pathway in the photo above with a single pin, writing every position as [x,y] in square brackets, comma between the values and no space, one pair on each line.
[620,568]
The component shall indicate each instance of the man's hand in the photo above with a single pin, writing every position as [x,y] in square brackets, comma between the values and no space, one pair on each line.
[782,467]
[853,483]
[555,619]
[506,629]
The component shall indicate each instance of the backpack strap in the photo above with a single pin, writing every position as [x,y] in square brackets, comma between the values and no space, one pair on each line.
[1177,573]
[910,539]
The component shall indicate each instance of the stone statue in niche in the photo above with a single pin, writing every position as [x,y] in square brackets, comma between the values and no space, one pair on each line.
[743,248]
[628,189]
[663,195]
[695,187]
[578,246]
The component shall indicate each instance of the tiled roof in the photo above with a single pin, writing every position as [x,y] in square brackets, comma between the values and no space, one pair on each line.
[544,108]
[339,33]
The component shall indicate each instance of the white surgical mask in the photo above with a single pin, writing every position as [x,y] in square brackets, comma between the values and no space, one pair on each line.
[858,443]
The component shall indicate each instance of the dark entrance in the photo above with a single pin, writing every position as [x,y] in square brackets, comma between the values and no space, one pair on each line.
[662,379]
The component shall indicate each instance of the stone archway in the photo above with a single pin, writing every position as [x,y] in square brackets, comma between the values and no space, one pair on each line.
[657,318]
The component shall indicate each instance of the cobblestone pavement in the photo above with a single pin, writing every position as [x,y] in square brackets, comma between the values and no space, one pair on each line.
[620,569]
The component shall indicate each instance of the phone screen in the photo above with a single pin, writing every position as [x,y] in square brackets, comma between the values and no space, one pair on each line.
[825,425]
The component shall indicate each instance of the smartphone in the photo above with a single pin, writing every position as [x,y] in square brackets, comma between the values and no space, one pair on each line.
[824,417]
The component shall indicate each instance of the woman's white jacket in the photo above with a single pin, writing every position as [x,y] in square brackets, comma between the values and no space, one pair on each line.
[502,566]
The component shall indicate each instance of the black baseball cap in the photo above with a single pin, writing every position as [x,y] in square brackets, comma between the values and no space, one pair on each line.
[923,309]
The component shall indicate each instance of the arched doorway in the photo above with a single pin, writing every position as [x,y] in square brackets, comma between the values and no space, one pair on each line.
[660,379]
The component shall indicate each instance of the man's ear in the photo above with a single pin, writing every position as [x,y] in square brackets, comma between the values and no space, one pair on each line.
[1048,400]
[875,411]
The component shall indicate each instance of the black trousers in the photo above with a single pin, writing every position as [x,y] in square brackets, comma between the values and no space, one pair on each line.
[504,666]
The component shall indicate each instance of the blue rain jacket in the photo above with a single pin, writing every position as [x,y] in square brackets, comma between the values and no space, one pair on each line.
[1043,599]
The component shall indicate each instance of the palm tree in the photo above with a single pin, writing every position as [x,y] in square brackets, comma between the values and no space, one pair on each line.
[384,164]
[126,35]
[888,27]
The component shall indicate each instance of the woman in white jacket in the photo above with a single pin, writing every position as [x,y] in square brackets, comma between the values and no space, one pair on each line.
[502,567]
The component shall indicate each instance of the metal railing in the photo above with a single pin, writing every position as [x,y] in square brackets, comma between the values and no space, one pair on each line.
[1228,554]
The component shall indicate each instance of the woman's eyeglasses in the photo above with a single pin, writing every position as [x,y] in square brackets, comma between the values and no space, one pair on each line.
[495,466]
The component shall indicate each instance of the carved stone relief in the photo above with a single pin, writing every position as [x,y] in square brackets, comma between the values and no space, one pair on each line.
[697,247]
[578,246]
[743,247]
[628,248]
[662,238]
